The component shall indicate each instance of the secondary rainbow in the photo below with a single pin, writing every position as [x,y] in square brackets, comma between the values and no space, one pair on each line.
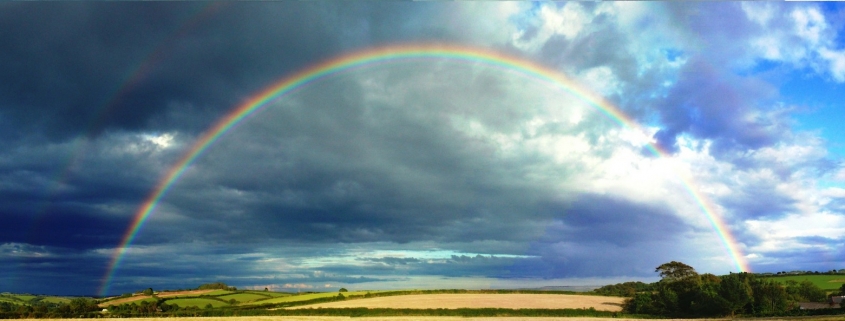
[393,54]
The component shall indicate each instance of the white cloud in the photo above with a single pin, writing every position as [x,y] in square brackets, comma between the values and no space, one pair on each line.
[802,37]
[164,140]
[836,59]
[602,80]
[761,13]
[809,24]
[566,21]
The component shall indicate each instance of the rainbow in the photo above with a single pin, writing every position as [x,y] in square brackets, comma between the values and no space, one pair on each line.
[388,54]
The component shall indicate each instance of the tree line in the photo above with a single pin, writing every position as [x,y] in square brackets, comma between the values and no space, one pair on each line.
[76,308]
[682,292]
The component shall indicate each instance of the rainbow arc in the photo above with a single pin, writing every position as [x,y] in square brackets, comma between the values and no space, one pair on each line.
[395,54]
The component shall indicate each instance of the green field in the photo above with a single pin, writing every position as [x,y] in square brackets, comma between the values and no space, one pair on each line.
[25,297]
[197,302]
[216,298]
[304,297]
[28,299]
[244,297]
[216,293]
[270,293]
[55,299]
[150,300]
[825,282]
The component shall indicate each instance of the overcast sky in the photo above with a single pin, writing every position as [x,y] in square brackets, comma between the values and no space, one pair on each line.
[426,173]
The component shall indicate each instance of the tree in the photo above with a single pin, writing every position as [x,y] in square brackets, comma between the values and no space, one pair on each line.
[807,291]
[735,290]
[148,291]
[216,286]
[708,301]
[343,290]
[678,288]
[81,306]
[641,303]
[674,271]
[769,296]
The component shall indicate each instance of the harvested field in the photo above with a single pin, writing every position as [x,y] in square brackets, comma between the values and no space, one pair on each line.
[299,318]
[412,318]
[473,300]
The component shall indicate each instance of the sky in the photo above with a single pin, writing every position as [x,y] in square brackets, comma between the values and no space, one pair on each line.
[707,133]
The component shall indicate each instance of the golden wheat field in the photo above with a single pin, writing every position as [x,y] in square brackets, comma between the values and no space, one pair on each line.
[412,318]
[479,300]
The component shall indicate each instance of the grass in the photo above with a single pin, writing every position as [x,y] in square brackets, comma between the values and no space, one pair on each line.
[215,298]
[825,282]
[218,292]
[305,297]
[25,297]
[55,299]
[150,300]
[197,302]
[271,294]
[244,297]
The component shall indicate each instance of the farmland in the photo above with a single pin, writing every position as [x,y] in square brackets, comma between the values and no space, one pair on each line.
[203,298]
[424,318]
[823,281]
[244,297]
[224,301]
[197,302]
[170,294]
[481,300]
[30,299]
[304,297]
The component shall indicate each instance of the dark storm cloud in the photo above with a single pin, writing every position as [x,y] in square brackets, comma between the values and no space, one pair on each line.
[816,254]
[59,75]
[343,168]
[710,104]
[759,200]
[96,66]
[600,235]
[108,70]
[46,270]
[76,195]
[69,227]
[599,218]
